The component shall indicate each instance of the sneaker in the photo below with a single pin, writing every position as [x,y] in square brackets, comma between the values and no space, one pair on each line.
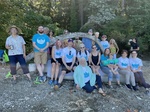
[14,81]
[55,82]
[8,75]
[147,92]
[41,79]
[44,78]
[134,88]
[129,86]
[119,85]
[110,86]
[50,82]
[56,87]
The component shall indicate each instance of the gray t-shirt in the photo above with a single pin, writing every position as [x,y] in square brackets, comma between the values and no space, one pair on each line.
[17,45]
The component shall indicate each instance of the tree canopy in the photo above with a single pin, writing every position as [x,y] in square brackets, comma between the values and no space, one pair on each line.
[119,19]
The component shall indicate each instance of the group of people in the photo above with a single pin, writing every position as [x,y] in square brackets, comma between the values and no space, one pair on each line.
[83,57]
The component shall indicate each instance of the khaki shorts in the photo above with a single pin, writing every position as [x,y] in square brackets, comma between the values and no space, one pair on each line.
[40,58]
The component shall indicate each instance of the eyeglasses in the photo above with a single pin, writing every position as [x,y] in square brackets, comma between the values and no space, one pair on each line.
[69,52]
[82,47]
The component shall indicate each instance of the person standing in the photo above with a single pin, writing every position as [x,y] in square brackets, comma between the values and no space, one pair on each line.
[88,42]
[16,51]
[114,48]
[105,44]
[40,43]
[96,39]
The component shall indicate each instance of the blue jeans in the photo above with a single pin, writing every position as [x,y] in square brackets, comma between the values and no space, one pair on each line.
[88,88]
[13,61]
[107,71]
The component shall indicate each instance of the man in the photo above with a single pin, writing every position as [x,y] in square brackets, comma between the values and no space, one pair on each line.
[68,59]
[40,43]
[88,42]
[96,39]
[77,43]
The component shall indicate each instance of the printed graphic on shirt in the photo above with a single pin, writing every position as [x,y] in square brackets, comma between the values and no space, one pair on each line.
[40,41]
[86,75]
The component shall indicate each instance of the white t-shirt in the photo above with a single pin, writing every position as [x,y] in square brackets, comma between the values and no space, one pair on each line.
[83,54]
[58,52]
[135,63]
[17,43]
[68,54]
[123,62]
[86,75]
[105,44]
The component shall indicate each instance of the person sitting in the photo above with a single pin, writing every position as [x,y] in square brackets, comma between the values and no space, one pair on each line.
[85,79]
[56,61]
[124,69]
[83,53]
[68,59]
[112,64]
[105,68]
[95,60]
[136,68]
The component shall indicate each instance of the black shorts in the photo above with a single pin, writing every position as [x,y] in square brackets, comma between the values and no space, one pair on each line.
[65,69]
[58,59]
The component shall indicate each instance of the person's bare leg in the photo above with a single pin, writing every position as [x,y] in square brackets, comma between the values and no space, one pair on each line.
[56,71]
[53,70]
[39,68]
[29,76]
[61,77]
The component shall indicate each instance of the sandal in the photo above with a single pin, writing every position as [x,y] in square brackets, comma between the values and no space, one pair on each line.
[102,93]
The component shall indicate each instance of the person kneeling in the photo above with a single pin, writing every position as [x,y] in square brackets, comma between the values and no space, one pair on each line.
[85,79]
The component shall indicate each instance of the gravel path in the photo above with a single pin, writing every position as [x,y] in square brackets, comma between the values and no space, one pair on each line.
[24,97]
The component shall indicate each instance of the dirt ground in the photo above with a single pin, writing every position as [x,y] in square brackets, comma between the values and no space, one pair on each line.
[24,97]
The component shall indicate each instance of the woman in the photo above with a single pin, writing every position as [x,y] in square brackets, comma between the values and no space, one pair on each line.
[106,68]
[16,52]
[114,49]
[56,61]
[83,53]
[95,60]
[85,79]
[136,68]
[124,69]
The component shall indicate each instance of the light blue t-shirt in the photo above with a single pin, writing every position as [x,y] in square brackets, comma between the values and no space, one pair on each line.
[83,54]
[88,43]
[135,63]
[105,44]
[68,54]
[40,41]
[86,75]
[123,62]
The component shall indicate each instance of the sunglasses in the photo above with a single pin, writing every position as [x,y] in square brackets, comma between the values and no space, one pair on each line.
[82,47]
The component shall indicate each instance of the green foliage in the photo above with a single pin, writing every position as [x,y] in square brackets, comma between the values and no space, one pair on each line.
[73,16]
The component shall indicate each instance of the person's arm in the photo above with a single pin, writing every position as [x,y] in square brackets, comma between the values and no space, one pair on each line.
[99,57]
[24,50]
[74,59]
[53,53]
[35,46]
[7,44]
[47,45]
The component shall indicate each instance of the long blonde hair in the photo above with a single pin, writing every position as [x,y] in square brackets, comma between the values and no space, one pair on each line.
[112,41]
